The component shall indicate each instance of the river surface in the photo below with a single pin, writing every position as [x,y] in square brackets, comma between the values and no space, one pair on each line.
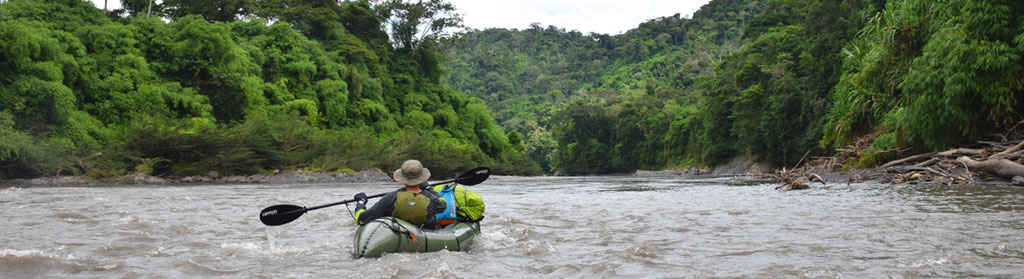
[544,227]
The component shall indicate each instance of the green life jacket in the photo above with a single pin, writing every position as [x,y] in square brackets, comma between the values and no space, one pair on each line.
[411,207]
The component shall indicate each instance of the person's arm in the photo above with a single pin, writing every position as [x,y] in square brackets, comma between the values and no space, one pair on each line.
[382,208]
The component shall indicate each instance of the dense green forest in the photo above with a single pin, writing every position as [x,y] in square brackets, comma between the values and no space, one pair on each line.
[237,87]
[776,80]
[242,87]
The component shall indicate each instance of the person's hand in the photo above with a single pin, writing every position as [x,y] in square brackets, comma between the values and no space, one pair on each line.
[361,198]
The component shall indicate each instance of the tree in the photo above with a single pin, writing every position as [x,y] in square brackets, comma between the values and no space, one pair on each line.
[216,10]
[322,90]
[138,7]
[416,24]
[360,20]
[584,133]
[314,18]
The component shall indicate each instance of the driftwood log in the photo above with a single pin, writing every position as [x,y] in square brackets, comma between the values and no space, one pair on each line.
[982,161]
[930,162]
[1000,167]
[908,159]
[1010,150]
[961,151]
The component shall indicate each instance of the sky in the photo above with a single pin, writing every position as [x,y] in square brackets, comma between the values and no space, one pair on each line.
[598,16]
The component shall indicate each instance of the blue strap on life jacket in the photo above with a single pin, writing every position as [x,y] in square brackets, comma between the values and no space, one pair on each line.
[448,194]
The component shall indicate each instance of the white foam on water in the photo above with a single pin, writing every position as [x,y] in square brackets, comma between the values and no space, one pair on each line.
[242,246]
[441,271]
[27,254]
[499,241]
[130,219]
[105,267]
[493,241]
[159,252]
[253,247]
[926,263]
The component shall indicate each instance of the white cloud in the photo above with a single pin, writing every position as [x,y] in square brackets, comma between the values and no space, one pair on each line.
[599,16]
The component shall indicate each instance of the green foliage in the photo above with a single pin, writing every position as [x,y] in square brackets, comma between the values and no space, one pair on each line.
[80,94]
[740,77]
[24,156]
[968,77]
[63,15]
[419,23]
[33,82]
[774,79]
[221,10]
[515,139]
[170,142]
[590,142]
[203,56]
[681,136]
[323,88]
[772,94]
[528,76]
[930,74]
[138,8]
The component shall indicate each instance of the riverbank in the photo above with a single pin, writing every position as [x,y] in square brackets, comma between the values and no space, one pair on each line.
[997,164]
[985,162]
[824,172]
[288,177]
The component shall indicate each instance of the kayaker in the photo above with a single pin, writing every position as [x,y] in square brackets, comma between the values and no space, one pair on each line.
[415,203]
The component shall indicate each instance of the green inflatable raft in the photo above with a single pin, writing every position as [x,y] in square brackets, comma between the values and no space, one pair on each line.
[393,235]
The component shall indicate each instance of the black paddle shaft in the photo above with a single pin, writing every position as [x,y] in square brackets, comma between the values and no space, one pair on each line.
[343,202]
[285,213]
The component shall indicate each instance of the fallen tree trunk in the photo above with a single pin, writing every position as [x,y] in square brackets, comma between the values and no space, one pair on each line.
[930,162]
[1012,156]
[959,151]
[999,167]
[904,169]
[908,159]
[1009,150]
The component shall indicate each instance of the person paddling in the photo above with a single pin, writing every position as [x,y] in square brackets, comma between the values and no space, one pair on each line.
[416,203]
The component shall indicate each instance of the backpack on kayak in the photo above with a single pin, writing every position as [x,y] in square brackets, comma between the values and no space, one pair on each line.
[463,205]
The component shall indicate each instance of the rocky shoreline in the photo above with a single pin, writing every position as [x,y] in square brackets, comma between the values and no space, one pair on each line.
[290,177]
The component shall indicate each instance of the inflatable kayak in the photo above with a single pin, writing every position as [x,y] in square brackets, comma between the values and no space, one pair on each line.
[393,235]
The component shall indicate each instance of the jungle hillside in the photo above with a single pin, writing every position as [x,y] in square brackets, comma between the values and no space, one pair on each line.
[779,81]
[235,87]
[241,87]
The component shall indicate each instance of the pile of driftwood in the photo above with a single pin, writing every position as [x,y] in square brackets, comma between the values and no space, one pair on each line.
[994,162]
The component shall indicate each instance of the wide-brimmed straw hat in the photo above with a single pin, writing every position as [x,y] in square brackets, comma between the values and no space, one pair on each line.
[412,173]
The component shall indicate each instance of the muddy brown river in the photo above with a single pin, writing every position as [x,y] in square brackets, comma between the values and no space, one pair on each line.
[543,227]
